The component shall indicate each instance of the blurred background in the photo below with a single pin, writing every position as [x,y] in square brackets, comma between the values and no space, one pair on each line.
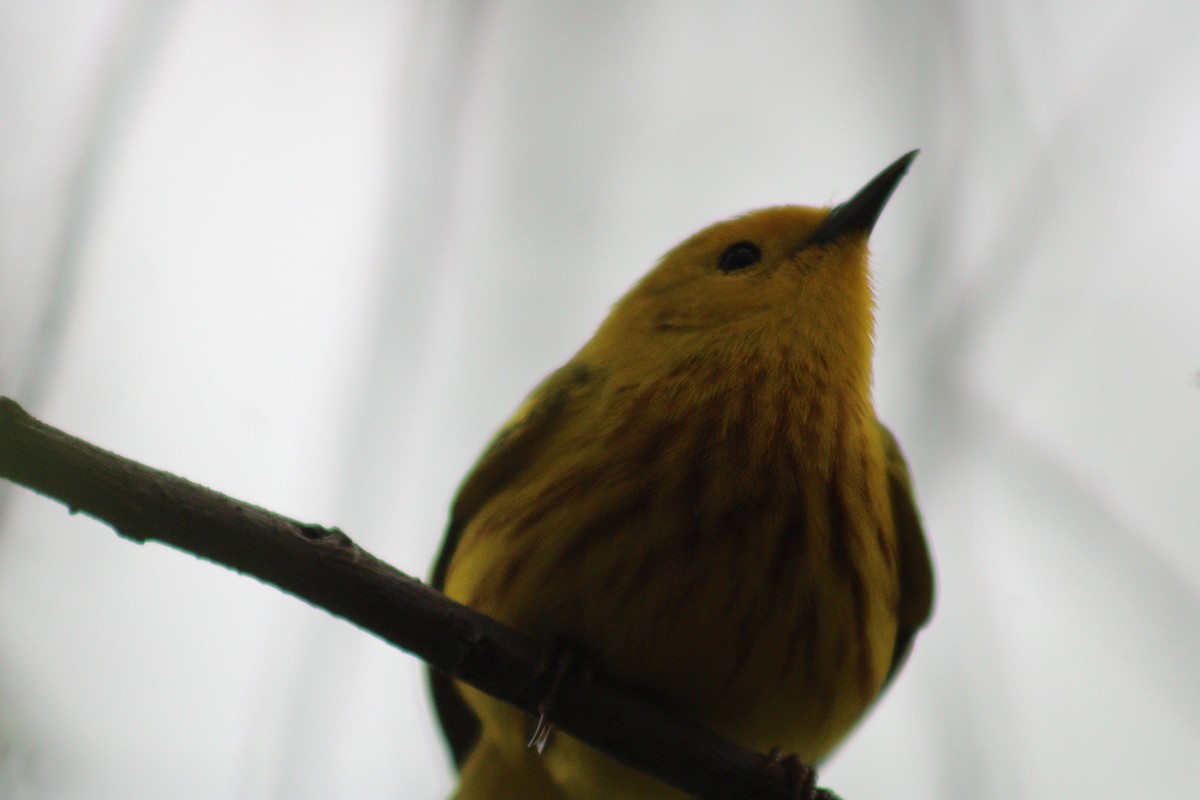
[311,254]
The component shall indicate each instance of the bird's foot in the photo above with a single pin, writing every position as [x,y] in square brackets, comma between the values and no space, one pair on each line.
[801,777]
[560,660]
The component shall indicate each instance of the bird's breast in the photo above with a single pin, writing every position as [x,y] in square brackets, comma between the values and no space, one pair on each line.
[732,563]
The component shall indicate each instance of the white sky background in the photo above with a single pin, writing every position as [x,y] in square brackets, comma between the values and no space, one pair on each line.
[311,254]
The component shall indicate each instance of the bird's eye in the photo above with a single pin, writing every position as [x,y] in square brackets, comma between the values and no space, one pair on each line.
[739,256]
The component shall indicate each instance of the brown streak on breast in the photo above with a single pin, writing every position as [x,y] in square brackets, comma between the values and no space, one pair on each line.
[500,580]
[842,539]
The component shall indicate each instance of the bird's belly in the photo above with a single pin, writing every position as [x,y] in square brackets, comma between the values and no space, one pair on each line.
[765,660]
[759,638]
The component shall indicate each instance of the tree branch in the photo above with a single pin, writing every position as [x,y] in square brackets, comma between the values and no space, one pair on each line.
[325,568]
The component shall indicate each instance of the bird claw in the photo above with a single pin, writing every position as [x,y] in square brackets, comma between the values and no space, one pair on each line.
[802,778]
[563,658]
[541,734]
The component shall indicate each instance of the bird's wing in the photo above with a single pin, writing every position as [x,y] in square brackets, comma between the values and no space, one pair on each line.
[502,462]
[916,568]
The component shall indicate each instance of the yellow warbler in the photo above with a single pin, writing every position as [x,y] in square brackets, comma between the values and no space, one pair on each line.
[703,501]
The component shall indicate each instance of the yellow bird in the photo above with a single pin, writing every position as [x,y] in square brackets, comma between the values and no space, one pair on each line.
[702,501]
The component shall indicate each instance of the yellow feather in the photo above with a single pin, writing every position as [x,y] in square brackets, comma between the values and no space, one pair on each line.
[702,501]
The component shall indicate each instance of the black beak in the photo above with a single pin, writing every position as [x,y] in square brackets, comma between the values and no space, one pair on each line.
[858,214]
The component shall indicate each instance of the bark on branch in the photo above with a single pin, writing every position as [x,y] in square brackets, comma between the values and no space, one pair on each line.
[325,568]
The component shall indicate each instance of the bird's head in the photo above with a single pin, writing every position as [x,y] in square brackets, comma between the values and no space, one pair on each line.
[788,286]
